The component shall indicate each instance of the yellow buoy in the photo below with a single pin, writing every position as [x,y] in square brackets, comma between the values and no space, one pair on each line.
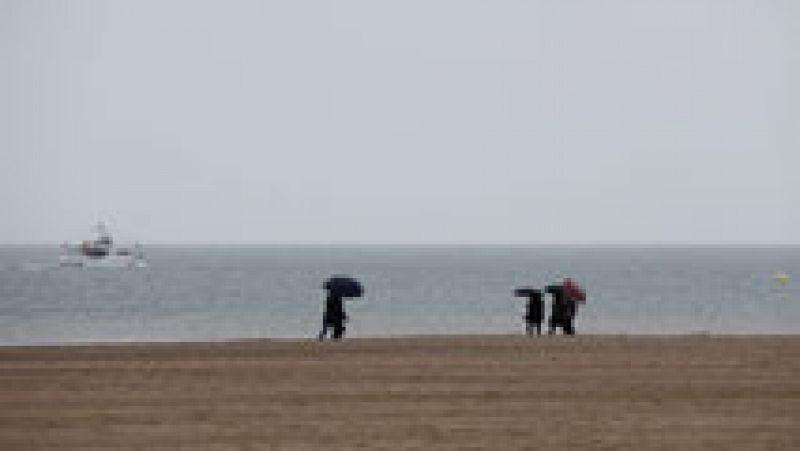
[781,277]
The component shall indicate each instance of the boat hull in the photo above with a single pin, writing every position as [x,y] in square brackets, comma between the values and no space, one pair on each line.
[111,261]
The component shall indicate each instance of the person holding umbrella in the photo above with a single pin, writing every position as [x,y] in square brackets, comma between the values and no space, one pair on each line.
[334,316]
[534,313]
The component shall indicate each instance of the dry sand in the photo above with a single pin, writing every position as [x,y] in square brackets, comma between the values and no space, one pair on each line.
[437,392]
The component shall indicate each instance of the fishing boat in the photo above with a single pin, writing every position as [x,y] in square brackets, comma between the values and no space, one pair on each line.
[101,252]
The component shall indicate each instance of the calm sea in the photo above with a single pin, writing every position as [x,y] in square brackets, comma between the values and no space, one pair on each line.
[217,293]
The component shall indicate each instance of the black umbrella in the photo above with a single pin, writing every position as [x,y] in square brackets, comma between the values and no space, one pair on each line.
[344,286]
[527,292]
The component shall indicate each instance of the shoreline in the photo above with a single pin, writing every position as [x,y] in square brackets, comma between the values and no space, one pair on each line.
[403,337]
[444,391]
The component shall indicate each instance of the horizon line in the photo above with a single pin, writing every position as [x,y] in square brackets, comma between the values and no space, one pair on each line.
[656,244]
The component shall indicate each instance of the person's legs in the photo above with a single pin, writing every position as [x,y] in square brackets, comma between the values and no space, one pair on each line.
[557,320]
[338,330]
[567,326]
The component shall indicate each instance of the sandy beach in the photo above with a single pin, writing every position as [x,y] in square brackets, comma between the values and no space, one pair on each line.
[495,392]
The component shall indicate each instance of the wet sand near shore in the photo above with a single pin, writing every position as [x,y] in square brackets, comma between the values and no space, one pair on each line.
[493,392]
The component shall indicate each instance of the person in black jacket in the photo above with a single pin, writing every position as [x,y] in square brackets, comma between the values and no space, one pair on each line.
[333,317]
[534,314]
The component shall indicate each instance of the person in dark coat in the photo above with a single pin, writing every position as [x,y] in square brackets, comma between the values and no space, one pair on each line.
[333,317]
[562,312]
[534,314]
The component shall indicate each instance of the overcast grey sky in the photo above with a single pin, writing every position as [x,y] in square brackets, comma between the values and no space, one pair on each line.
[401,121]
